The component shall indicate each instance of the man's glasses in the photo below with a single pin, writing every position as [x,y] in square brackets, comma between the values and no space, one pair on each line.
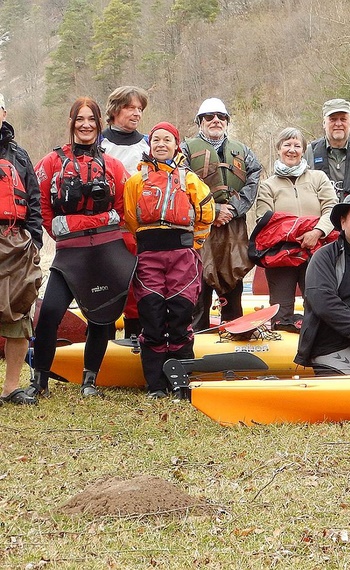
[210,116]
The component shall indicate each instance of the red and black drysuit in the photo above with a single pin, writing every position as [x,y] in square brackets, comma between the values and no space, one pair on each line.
[90,252]
[168,275]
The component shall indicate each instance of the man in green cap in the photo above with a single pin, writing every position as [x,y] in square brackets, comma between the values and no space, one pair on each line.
[331,152]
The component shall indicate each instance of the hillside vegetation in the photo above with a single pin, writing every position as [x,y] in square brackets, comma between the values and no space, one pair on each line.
[273,62]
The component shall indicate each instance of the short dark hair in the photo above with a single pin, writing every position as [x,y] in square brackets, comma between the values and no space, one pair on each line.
[121,97]
[74,112]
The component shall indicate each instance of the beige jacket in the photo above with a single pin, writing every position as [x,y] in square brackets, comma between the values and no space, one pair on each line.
[312,194]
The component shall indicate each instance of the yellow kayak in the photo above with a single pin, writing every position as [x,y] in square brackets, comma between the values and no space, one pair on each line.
[292,400]
[119,323]
[122,364]
[250,303]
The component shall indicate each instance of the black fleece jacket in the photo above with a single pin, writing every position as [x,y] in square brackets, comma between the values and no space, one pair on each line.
[327,300]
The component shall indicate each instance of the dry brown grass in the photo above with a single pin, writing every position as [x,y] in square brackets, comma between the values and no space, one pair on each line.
[281,493]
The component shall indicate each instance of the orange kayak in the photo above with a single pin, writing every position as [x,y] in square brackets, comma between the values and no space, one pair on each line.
[270,401]
[122,364]
[119,323]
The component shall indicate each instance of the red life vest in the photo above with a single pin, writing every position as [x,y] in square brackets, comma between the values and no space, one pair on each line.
[13,196]
[273,243]
[163,200]
[81,187]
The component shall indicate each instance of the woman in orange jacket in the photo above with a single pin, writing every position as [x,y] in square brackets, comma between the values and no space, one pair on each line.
[170,211]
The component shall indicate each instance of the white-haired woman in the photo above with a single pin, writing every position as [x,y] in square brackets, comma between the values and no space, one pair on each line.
[294,189]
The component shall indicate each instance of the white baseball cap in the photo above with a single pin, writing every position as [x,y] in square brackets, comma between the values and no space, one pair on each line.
[2,102]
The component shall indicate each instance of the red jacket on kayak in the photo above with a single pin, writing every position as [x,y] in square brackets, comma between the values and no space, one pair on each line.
[275,240]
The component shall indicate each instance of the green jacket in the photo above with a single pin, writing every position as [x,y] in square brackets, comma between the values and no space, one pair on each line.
[232,174]
[223,178]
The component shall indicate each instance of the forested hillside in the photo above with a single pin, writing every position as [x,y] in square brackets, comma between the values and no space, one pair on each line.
[273,62]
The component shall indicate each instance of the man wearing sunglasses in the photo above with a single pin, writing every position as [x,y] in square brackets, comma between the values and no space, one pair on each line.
[232,172]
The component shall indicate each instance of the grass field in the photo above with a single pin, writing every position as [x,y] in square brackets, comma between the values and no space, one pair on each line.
[280,494]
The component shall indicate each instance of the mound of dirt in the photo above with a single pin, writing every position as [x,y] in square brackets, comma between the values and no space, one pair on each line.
[141,495]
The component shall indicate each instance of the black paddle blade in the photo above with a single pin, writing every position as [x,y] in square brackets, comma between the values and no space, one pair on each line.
[177,371]
[132,342]
[237,361]
[58,377]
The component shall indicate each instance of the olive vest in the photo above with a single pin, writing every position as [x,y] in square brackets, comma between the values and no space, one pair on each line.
[223,178]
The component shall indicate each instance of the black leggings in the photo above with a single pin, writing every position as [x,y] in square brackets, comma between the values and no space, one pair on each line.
[231,307]
[57,299]
[282,283]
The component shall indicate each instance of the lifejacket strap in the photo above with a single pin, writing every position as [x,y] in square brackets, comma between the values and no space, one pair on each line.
[235,170]
[89,232]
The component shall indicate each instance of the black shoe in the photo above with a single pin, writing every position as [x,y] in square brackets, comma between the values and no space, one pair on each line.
[90,390]
[39,385]
[19,396]
[35,390]
[157,395]
[88,387]
[289,327]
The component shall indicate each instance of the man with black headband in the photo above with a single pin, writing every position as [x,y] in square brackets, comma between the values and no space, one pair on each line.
[324,340]
[232,172]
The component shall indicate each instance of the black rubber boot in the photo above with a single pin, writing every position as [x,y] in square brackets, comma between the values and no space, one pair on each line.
[152,365]
[88,387]
[131,327]
[39,386]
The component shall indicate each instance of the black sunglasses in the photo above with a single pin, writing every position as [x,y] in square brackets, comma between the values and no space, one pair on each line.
[210,116]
